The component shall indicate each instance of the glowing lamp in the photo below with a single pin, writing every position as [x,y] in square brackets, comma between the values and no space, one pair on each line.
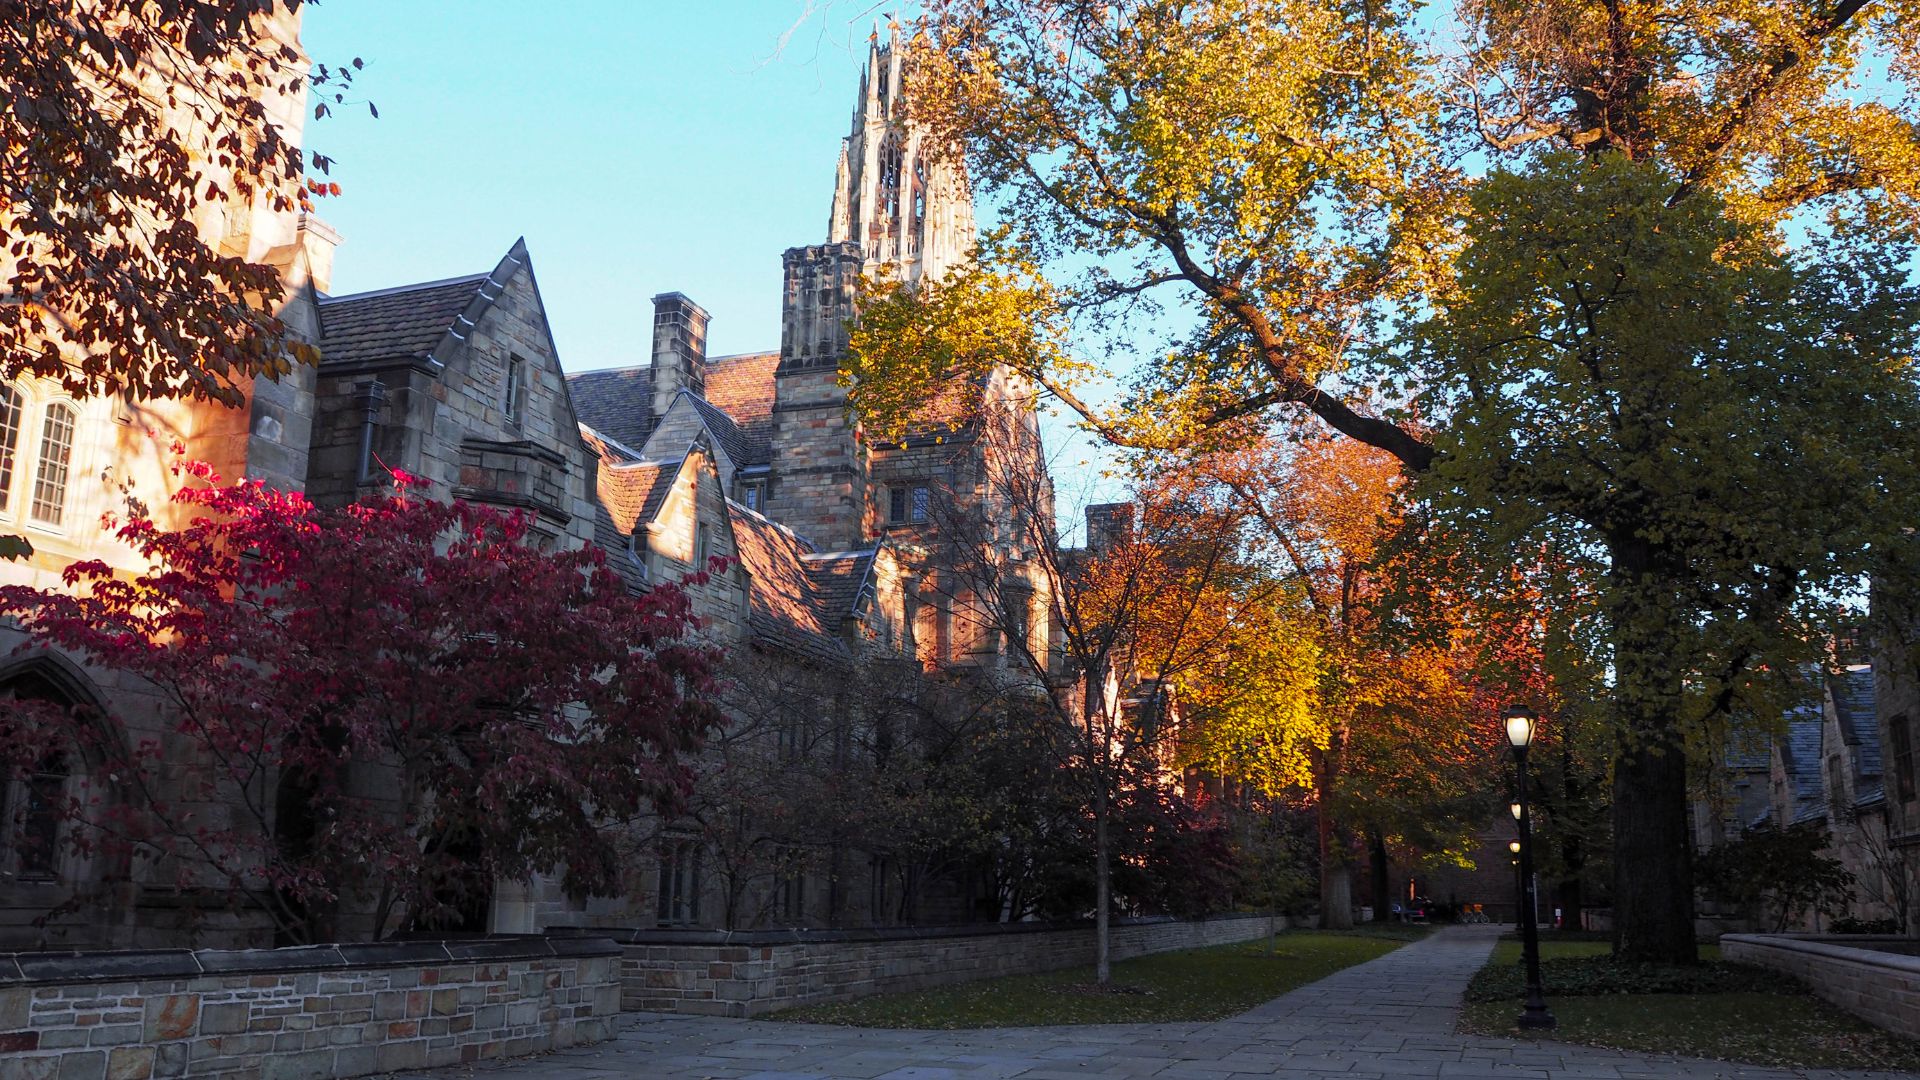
[1520,722]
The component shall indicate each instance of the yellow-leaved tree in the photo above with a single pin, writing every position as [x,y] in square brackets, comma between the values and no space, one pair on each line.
[1262,199]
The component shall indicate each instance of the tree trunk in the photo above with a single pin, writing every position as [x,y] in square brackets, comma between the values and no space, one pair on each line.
[1653,857]
[1573,849]
[1336,883]
[1102,884]
[1377,868]
[1653,853]
[1336,897]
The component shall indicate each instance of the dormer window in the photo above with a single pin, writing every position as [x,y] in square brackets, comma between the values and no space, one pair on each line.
[753,496]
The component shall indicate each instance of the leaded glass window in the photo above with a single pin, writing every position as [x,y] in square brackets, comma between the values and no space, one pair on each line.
[56,453]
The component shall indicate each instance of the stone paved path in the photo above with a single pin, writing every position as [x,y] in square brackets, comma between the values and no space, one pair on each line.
[1390,1017]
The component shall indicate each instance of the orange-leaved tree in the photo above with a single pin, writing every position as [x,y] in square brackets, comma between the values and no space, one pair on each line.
[1371,714]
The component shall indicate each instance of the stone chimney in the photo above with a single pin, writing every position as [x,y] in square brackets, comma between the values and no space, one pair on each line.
[679,349]
[317,241]
[1108,524]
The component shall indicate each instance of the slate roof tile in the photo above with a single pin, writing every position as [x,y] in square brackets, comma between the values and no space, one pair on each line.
[838,579]
[1800,755]
[1853,702]
[617,402]
[742,387]
[404,323]
[619,556]
[725,432]
[633,492]
[799,596]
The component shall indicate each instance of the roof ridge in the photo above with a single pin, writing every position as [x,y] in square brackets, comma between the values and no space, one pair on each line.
[849,553]
[646,463]
[392,289]
[758,516]
[755,355]
[610,440]
[609,370]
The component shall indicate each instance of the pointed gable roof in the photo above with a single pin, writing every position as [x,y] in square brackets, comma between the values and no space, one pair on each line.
[634,491]
[410,324]
[839,580]
[722,428]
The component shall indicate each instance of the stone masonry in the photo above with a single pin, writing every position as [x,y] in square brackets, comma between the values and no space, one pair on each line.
[1873,977]
[300,1014]
[757,973]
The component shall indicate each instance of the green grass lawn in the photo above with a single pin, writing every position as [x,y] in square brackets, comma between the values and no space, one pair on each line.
[1199,984]
[1720,1010]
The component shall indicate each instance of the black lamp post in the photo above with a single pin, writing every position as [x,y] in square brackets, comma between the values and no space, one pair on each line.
[1519,890]
[1520,722]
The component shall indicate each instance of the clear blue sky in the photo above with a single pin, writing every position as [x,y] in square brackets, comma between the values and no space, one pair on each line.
[640,147]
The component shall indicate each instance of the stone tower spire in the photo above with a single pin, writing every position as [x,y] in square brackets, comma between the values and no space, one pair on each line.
[910,212]
[898,212]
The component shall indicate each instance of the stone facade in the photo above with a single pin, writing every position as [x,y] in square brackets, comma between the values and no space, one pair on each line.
[90,456]
[1826,764]
[1874,978]
[757,973]
[833,589]
[315,1012]
[842,593]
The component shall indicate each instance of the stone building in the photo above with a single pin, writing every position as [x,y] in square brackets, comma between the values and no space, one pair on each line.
[1823,767]
[66,461]
[841,567]
[830,597]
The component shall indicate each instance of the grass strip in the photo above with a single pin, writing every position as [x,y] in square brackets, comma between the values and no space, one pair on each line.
[1719,1010]
[1195,984]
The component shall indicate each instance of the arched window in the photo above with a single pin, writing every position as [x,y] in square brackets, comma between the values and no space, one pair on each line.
[917,228]
[36,804]
[9,440]
[35,801]
[50,477]
[890,183]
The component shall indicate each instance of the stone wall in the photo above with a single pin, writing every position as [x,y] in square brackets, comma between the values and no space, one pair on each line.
[318,1012]
[1874,978]
[754,973]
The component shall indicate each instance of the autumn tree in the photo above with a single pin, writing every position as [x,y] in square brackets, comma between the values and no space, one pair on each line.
[133,127]
[1709,429]
[369,714]
[1330,690]
[1096,637]
[1287,184]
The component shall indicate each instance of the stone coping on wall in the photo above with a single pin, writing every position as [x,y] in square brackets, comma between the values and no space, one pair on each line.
[35,968]
[806,936]
[756,972]
[1882,988]
[1855,949]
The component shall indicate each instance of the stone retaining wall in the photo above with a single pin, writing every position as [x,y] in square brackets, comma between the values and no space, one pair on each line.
[300,1014]
[753,973]
[1880,987]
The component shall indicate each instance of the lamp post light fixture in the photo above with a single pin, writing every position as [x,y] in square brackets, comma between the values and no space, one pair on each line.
[1519,890]
[1520,722]
[1515,807]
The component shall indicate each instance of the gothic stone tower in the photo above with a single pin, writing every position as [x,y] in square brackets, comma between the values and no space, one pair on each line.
[896,212]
